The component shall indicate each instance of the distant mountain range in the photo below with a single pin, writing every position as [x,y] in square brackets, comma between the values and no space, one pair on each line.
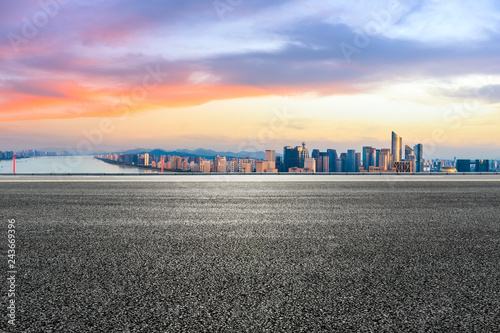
[205,153]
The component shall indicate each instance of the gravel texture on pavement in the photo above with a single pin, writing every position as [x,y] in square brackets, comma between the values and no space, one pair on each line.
[254,257]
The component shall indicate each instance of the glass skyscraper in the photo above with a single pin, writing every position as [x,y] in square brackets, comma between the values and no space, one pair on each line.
[332,159]
[419,157]
[303,154]
[371,158]
[351,160]
[357,162]
[323,163]
[482,165]
[343,162]
[396,147]
[290,158]
[295,157]
[366,164]
[463,165]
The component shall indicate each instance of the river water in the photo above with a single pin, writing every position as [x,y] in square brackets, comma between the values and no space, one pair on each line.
[65,164]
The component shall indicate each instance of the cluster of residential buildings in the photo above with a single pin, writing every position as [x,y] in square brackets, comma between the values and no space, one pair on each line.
[196,164]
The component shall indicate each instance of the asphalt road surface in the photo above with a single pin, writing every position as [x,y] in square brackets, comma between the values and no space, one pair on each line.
[253,256]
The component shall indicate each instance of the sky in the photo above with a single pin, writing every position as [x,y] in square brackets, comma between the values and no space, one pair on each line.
[95,76]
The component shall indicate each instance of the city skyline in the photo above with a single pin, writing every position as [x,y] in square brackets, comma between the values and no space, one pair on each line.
[294,160]
[298,159]
[250,75]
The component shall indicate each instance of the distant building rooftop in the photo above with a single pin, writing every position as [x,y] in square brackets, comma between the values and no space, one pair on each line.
[448,168]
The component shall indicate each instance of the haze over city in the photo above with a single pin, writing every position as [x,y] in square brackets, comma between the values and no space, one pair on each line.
[215,75]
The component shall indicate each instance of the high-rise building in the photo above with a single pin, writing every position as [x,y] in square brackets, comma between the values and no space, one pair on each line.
[365,157]
[351,158]
[290,158]
[357,162]
[463,165]
[178,163]
[295,157]
[253,163]
[270,155]
[232,165]
[205,166]
[279,164]
[410,157]
[482,165]
[371,158]
[146,159]
[323,165]
[397,145]
[419,157]
[343,162]
[332,160]
[385,159]
[219,164]
[303,154]
[408,152]
[315,155]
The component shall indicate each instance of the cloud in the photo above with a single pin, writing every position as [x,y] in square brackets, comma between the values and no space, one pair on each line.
[482,93]
[314,57]
[449,22]
[65,100]
[93,52]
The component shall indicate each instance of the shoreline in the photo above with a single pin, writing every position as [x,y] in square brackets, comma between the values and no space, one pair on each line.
[158,170]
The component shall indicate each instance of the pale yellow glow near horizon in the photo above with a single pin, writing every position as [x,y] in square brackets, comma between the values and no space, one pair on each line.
[363,118]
